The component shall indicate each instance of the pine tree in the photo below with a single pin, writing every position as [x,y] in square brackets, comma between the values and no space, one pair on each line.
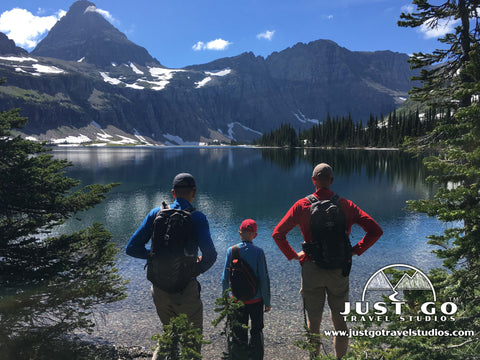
[441,71]
[180,340]
[49,285]
[456,170]
[227,307]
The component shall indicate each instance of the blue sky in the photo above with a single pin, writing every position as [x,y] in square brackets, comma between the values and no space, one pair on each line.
[187,32]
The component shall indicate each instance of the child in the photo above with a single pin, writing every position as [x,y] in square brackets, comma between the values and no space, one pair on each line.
[254,307]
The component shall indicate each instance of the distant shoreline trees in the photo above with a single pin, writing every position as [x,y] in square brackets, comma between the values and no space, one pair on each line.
[343,131]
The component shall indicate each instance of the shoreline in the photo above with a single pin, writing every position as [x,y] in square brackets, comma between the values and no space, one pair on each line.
[106,146]
[280,333]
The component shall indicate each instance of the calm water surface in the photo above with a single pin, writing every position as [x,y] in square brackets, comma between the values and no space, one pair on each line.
[238,183]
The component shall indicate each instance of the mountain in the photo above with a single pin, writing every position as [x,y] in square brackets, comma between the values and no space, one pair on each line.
[85,81]
[335,80]
[8,47]
[83,34]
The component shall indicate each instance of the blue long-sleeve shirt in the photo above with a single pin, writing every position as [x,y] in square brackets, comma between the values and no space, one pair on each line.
[136,246]
[255,258]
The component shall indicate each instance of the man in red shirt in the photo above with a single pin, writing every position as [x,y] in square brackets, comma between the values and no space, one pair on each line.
[320,283]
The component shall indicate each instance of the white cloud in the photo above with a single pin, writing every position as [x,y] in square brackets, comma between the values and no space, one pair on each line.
[104,13]
[26,29]
[442,28]
[267,35]
[198,46]
[217,44]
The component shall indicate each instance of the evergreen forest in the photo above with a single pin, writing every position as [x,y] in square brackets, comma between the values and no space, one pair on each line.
[382,132]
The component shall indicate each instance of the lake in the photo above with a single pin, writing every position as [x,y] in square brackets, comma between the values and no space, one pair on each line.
[238,183]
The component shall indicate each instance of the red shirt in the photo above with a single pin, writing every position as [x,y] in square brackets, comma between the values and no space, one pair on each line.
[299,214]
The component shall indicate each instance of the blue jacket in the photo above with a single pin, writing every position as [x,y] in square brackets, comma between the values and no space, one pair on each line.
[255,258]
[136,246]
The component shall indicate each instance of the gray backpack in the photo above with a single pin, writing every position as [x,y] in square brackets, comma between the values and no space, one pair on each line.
[330,247]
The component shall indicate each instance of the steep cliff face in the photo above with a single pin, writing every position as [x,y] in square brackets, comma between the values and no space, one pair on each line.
[86,74]
[331,79]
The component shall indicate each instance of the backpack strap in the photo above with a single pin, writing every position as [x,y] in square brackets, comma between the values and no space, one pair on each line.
[235,252]
[312,198]
[166,207]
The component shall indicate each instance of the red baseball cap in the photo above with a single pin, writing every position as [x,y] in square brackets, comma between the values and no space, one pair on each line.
[248,225]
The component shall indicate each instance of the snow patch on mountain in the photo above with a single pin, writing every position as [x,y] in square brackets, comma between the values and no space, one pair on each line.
[18,59]
[135,69]
[231,132]
[206,80]
[72,140]
[135,86]
[177,140]
[104,137]
[163,77]
[223,72]
[45,69]
[303,119]
[203,82]
[109,79]
[30,65]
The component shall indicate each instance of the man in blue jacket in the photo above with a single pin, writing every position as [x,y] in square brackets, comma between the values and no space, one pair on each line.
[260,302]
[187,301]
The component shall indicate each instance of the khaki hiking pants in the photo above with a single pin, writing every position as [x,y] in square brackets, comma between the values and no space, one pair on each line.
[186,302]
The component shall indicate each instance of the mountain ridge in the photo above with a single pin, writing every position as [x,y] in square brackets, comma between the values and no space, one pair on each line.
[233,98]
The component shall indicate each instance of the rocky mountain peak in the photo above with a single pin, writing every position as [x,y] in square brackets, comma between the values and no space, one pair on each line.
[8,47]
[80,7]
[83,34]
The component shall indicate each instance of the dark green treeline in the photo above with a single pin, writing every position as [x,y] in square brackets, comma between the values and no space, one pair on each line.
[344,132]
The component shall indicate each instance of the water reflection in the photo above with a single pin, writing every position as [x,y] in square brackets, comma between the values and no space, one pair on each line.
[235,183]
[393,164]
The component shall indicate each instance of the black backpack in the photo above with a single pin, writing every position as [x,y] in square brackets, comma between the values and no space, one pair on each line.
[330,247]
[172,261]
[243,281]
